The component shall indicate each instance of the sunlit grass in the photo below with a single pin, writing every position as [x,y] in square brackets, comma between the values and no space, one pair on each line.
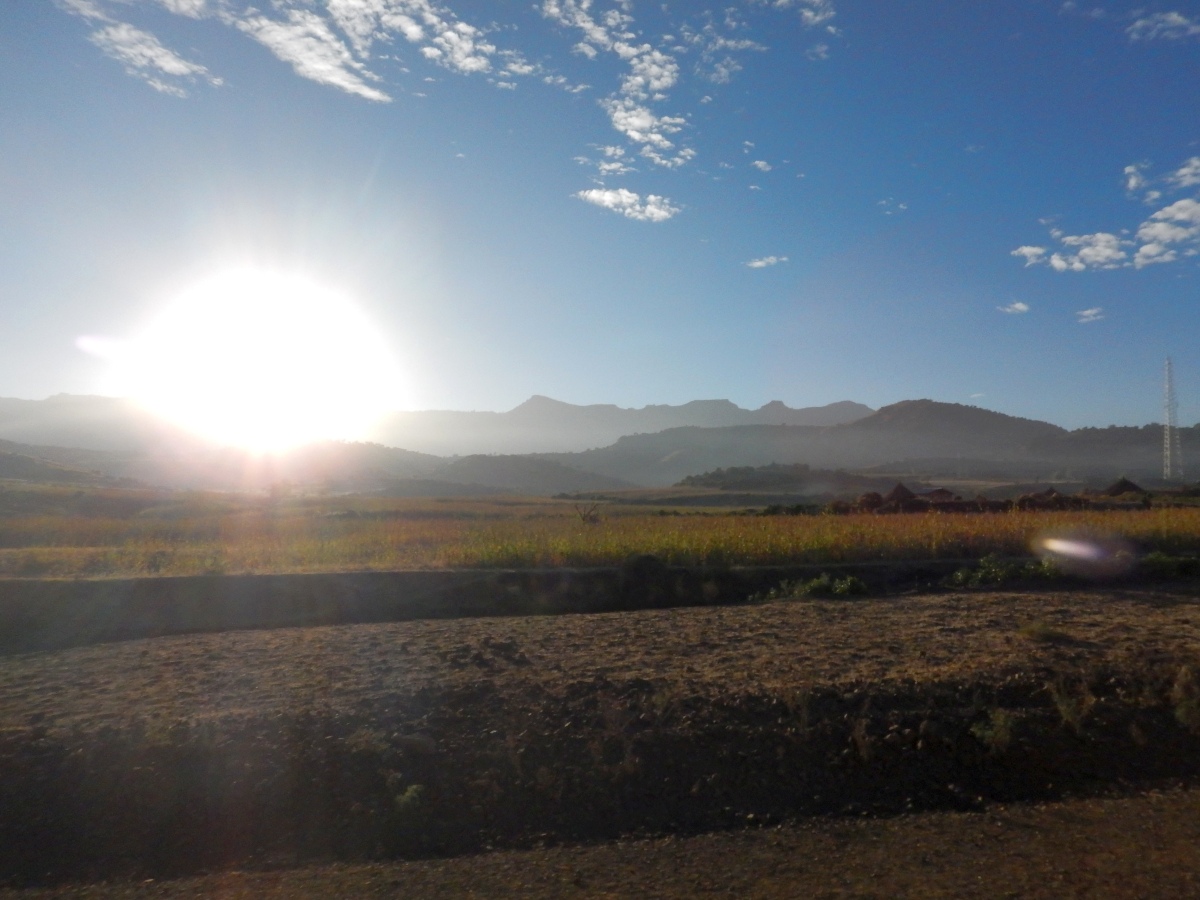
[388,534]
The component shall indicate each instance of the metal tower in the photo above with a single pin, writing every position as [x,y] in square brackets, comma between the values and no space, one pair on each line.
[1172,456]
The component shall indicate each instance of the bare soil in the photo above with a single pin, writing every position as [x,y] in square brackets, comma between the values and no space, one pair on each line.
[268,749]
[1116,848]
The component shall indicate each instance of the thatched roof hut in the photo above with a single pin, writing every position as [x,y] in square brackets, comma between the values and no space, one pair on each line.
[1122,486]
[898,493]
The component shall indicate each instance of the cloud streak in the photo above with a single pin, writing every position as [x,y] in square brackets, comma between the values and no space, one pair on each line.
[1168,26]
[1015,308]
[306,41]
[144,57]
[766,261]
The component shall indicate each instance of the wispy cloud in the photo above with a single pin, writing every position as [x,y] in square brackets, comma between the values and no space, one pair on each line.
[1170,26]
[652,208]
[306,41]
[145,57]
[890,207]
[1170,234]
[355,46]
[1014,308]
[1187,175]
[765,261]
[812,12]
[1095,314]
[762,165]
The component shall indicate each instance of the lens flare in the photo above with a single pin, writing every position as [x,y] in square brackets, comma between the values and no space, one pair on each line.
[1086,555]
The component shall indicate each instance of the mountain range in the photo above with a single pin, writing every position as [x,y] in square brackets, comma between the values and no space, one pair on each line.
[541,424]
[91,440]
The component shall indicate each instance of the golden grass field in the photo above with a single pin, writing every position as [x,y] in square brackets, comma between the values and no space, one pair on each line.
[207,534]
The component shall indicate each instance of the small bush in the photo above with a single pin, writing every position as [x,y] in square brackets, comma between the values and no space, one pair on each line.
[994,571]
[1073,706]
[996,732]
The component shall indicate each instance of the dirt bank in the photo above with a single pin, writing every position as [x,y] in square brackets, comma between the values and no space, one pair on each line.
[440,737]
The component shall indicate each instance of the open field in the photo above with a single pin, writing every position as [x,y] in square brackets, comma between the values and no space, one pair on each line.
[211,534]
[293,746]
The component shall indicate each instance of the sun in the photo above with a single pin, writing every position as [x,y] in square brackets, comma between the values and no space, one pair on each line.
[263,360]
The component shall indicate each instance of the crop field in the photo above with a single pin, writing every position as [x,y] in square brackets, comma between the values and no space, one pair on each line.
[210,534]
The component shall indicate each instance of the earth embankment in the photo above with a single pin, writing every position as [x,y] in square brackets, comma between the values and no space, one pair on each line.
[425,738]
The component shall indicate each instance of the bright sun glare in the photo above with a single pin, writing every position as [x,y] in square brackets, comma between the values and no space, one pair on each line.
[262,360]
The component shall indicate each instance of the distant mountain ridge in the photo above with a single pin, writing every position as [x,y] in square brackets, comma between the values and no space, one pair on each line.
[909,431]
[544,425]
[916,437]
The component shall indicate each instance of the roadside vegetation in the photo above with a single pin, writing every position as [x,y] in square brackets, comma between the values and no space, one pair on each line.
[98,534]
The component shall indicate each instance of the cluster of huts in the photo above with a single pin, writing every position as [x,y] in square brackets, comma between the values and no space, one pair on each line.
[902,500]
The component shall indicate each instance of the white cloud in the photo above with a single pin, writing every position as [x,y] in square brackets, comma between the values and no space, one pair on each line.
[1095,314]
[765,261]
[193,9]
[306,41]
[1014,308]
[1170,234]
[85,9]
[1187,175]
[1031,254]
[1171,26]
[652,209]
[1101,250]
[812,12]
[817,52]
[762,165]
[1134,179]
[145,57]
[890,207]
[639,124]
[613,163]
[447,40]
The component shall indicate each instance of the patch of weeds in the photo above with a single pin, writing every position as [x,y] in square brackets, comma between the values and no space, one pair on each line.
[1043,632]
[410,803]
[996,732]
[1072,706]
[822,586]
[994,571]
[1185,697]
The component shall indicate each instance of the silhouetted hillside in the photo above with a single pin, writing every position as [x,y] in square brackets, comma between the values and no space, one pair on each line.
[929,437]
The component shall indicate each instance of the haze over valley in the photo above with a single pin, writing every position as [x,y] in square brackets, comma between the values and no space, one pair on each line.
[547,447]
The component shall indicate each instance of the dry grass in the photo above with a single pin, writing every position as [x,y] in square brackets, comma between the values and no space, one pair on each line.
[401,534]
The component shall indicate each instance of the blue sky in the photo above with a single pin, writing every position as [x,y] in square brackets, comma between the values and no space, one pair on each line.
[627,203]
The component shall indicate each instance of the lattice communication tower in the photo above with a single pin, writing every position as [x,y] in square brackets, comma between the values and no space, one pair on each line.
[1172,456]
